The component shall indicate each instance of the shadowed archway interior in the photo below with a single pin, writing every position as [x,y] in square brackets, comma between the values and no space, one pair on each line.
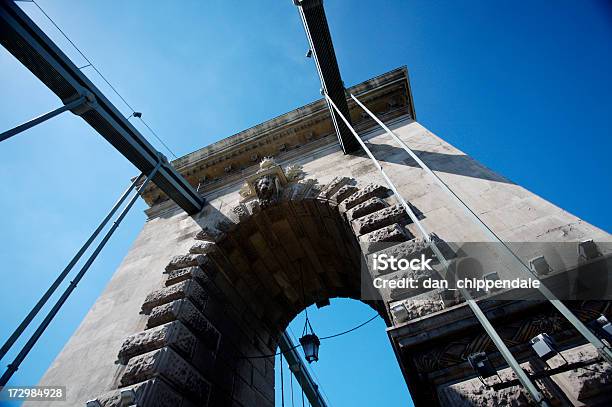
[287,244]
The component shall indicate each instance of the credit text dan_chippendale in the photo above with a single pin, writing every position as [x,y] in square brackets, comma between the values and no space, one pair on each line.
[388,264]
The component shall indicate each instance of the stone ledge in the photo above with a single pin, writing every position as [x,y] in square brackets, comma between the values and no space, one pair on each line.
[380,219]
[155,392]
[187,273]
[472,392]
[344,192]
[185,260]
[209,234]
[187,289]
[174,334]
[330,189]
[365,208]
[168,364]
[363,194]
[183,310]
[380,239]
[202,247]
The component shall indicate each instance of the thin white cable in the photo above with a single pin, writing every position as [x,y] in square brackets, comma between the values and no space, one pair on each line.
[562,308]
[480,316]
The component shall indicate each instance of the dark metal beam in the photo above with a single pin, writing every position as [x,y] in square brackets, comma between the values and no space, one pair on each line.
[29,44]
[299,370]
[322,47]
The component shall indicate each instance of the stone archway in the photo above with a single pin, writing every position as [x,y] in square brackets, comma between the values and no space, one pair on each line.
[290,242]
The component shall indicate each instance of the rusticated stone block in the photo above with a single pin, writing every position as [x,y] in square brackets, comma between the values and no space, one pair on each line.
[155,392]
[406,250]
[367,192]
[172,367]
[393,233]
[379,219]
[185,260]
[344,192]
[412,248]
[423,304]
[209,234]
[200,274]
[183,310]
[330,189]
[472,392]
[586,384]
[202,247]
[174,334]
[178,275]
[365,208]
[186,289]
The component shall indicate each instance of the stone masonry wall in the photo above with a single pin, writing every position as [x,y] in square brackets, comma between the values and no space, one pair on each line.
[98,359]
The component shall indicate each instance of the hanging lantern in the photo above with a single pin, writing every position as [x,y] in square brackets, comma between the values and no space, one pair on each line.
[309,341]
[310,344]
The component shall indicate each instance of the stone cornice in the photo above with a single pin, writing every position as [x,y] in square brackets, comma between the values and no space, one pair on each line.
[297,132]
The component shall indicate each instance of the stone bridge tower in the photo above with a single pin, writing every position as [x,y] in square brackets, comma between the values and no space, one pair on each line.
[287,217]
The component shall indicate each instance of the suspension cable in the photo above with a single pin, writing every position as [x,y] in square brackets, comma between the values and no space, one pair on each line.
[12,367]
[60,278]
[95,68]
[603,350]
[480,316]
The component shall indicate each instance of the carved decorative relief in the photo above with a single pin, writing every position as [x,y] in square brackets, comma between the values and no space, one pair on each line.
[268,183]
[294,172]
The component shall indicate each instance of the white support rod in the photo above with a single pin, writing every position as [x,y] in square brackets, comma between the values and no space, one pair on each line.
[601,347]
[480,316]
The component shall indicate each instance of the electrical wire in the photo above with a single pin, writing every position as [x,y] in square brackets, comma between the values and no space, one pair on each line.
[323,338]
[350,330]
[272,355]
[91,64]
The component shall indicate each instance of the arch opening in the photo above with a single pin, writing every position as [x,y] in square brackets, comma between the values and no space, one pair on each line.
[289,243]
[358,368]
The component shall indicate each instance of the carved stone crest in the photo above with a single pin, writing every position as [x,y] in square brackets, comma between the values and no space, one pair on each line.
[267,184]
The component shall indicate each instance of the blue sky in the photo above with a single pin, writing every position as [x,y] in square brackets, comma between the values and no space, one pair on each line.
[524,89]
